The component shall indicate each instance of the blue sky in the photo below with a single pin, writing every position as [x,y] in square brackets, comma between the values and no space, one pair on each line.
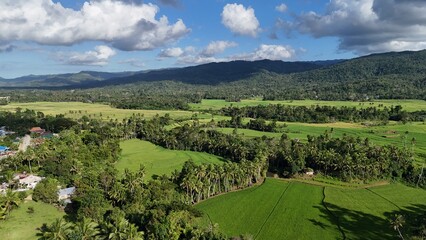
[59,36]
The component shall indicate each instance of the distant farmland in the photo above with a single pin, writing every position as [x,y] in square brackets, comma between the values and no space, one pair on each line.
[92,110]
[408,105]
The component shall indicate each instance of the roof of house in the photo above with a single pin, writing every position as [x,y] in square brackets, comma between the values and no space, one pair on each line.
[3,148]
[30,179]
[66,191]
[36,129]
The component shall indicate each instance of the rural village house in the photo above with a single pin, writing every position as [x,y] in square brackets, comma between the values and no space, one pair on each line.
[65,194]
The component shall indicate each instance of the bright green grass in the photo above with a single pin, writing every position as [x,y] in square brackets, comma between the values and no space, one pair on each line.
[274,210]
[93,110]
[156,159]
[299,214]
[245,211]
[22,225]
[362,214]
[404,194]
[214,104]
[292,210]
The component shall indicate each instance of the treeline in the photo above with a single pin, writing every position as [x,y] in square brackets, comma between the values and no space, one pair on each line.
[203,181]
[257,124]
[22,120]
[323,114]
[155,102]
[346,159]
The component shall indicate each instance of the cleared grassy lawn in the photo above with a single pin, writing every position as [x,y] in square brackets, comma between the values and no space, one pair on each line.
[292,210]
[409,105]
[156,159]
[93,110]
[22,225]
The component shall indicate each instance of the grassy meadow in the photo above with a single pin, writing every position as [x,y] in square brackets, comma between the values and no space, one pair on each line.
[215,104]
[158,160]
[23,226]
[92,110]
[293,210]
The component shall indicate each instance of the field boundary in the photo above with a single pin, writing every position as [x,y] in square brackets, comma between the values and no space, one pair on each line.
[389,201]
[273,209]
[324,184]
[331,213]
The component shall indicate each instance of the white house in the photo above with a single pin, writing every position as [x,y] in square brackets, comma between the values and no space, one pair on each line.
[65,194]
[30,181]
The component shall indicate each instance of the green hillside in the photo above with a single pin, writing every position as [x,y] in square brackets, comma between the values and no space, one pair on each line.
[158,160]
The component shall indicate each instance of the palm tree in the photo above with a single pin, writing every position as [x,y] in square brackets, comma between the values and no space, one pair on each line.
[397,223]
[87,229]
[58,230]
[122,230]
[8,202]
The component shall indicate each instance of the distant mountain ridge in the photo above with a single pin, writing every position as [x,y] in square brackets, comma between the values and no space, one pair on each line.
[58,80]
[210,73]
[384,75]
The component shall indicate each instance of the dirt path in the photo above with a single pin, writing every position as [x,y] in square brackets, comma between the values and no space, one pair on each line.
[26,140]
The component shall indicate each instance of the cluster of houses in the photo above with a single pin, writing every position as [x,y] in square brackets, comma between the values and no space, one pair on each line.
[4,150]
[41,133]
[24,181]
[28,182]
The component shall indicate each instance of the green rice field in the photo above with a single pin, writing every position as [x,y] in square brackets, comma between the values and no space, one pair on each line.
[92,110]
[215,104]
[292,210]
[158,160]
[22,225]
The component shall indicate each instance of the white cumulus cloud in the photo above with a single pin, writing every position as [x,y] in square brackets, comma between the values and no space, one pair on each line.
[281,8]
[171,52]
[124,25]
[367,26]
[271,52]
[217,47]
[240,20]
[99,57]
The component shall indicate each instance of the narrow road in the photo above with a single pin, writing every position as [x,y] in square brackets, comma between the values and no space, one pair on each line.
[26,140]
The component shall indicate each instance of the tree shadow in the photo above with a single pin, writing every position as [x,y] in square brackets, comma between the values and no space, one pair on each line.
[319,224]
[360,225]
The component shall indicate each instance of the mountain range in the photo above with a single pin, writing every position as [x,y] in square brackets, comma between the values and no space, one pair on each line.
[398,72]
[210,74]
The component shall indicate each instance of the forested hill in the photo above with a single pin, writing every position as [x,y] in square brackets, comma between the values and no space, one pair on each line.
[395,75]
[59,80]
[409,65]
[210,73]
[387,75]
[214,73]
